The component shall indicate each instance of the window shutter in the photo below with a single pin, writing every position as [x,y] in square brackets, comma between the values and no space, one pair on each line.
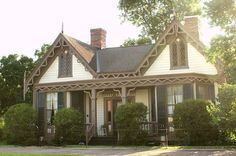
[162,106]
[60,100]
[188,91]
[41,100]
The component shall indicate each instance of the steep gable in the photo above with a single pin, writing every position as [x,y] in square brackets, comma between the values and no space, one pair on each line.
[49,63]
[161,49]
[196,64]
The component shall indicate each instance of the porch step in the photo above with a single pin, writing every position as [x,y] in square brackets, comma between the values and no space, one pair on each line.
[152,140]
[103,140]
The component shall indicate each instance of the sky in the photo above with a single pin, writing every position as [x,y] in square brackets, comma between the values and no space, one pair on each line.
[27,24]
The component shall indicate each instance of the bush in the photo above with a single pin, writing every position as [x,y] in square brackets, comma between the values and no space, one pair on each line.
[69,126]
[128,118]
[1,128]
[20,125]
[193,123]
[225,114]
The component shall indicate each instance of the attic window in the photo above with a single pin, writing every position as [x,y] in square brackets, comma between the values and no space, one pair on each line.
[65,64]
[178,54]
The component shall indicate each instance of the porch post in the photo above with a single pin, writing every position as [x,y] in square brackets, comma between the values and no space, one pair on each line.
[194,91]
[93,109]
[123,95]
[68,99]
[34,98]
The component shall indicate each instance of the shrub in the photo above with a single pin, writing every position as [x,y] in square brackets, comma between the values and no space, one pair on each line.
[20,125]
[1,128]
[69,126]
[193,123]
[225,114]
[128,118]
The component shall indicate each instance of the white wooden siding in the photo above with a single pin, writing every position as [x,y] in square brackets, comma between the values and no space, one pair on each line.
[196,61]
[141,95]
[78,72]
[100,113]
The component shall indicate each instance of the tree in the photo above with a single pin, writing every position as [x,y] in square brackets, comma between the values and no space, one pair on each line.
[223,48]
[193,123]
[134,42]
[223,14]
[224,113]
[12,70]
[154,15]
[40,53]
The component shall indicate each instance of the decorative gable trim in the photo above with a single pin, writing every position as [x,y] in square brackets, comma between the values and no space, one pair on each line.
[55,50]
[174,29]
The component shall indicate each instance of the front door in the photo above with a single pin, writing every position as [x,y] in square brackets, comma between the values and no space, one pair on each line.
[110,109]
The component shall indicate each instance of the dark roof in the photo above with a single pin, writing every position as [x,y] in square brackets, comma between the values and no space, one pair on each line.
[111,60]
[120,59]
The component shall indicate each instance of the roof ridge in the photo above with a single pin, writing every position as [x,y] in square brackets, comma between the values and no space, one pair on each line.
[127,46]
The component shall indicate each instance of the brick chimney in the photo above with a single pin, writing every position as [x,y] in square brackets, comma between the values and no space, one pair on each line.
[192,25]
[98,38]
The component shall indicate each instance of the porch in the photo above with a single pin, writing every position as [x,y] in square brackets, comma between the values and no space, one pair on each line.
[99,104]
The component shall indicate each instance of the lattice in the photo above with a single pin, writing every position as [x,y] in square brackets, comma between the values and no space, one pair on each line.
[139,82]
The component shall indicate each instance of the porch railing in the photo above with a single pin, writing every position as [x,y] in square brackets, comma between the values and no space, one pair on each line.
[150,127]
[89,131]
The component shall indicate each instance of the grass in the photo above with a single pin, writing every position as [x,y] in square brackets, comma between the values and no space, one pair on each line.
[24,154]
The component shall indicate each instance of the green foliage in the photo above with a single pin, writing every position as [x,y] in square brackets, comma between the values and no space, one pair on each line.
[40,53]
[1,128]
[221,12]
[12,70]
[227,95]
[129,117]
[69,126]
[225,113]
[223,48]
[154,15]
[134,42]
[193,123]
[20,125]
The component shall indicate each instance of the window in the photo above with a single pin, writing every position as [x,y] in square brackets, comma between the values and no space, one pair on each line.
[65,64]
[178,53]
[205,91]
[51,107]
[174,96]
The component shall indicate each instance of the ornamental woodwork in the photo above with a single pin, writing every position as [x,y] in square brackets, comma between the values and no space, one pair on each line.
[115,83]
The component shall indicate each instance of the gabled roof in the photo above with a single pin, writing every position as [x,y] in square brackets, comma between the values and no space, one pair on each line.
[133,60]
[175,28]
[82,51]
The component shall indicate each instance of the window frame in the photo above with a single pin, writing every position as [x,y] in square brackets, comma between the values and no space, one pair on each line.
[178,53]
